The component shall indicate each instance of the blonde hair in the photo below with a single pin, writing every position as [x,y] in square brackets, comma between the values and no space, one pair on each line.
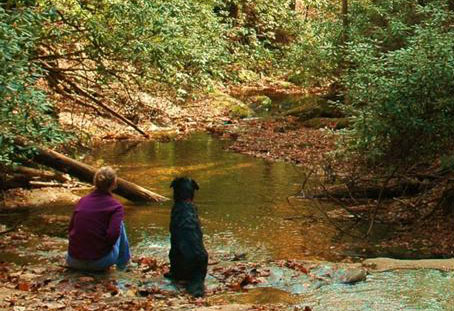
[104,178]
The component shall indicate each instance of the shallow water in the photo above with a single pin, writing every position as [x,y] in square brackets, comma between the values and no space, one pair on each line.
[242,200]
[411,290]
[244,203]
[407,290]
[244,209]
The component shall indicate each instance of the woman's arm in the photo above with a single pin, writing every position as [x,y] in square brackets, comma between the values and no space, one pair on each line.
[71,223]
[113,231]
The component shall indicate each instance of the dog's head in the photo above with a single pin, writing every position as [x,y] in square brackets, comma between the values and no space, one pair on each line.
[183,188]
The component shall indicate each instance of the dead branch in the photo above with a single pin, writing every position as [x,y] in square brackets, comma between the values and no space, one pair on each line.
[342,205]
[379,201]
[45,184]
[342,230]
[60,77]
[41,174]
[13,228]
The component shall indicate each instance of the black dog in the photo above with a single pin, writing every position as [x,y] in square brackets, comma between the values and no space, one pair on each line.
[188,257]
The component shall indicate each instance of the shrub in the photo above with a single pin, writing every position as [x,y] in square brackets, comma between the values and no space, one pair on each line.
[401,96]
[25,112]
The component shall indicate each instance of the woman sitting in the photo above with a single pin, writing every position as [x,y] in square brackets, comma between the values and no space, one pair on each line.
[97,235]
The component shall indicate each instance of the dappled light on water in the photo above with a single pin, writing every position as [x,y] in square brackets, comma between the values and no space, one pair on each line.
[242,200]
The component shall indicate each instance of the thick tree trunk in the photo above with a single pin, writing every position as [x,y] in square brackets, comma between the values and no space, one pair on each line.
[86,172]
[345,20]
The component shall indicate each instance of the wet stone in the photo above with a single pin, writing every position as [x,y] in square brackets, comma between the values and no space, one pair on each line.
[158,284]
[351,276]
[288,280]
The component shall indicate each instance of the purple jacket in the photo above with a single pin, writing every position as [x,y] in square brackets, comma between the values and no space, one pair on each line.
[94,226]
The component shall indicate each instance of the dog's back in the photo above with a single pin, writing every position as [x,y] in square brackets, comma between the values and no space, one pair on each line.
[188,257]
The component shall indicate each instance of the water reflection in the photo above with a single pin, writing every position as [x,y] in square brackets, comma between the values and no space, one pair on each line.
[242,200]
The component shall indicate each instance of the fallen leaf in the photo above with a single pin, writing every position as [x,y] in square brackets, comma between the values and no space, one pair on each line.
[24,286]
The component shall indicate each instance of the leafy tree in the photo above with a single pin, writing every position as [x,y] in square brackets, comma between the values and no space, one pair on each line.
[395,67]
[25,112]
[315,58]
[259,33]
[99,54]
[114,49]
[102,54]
[401,83]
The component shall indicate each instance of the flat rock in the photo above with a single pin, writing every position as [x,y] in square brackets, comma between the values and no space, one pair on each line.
[352,276]
[387,264]
[35,198]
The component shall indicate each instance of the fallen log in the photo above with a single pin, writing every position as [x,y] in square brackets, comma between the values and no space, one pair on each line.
[21,177]
[33,173]
[45,184]
[371,191]
[86,172]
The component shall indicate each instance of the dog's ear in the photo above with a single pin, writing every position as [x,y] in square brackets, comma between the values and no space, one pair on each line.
[194,184]
[173,183]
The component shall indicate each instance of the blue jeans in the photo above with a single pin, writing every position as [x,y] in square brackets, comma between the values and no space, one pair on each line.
[118,256]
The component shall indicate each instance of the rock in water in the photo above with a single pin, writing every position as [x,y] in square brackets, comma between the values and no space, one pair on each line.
[352,276]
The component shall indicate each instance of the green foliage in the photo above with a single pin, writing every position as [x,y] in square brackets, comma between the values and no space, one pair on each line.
[400,83]
[259,33]
[394,61]
[24,110]
[395,65]
[174,43]
[109,51]
[314,58]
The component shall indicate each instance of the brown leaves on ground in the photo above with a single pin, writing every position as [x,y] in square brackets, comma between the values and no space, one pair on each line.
[45,285]
[431,238]
[294,265]
[54,288]
[280,139]
[239,276]
[147,264]
[167,120]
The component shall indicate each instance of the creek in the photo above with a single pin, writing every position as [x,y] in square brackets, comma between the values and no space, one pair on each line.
[242,200]
[245,207]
